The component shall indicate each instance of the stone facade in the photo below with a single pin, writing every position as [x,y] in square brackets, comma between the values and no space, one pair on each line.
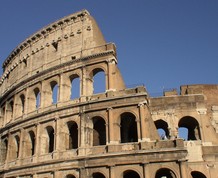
[46,132]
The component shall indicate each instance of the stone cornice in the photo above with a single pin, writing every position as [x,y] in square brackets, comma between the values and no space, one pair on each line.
[74,18]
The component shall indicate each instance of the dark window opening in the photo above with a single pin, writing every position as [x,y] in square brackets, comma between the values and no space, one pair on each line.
[32,139]
[50,132]
[128,130]
[130,174]
[99,131]
[98,175]
[196,174]
[162,128]
[192,126]
[73,135]
[70,176]
[165,173]
[55,45]
[22,98]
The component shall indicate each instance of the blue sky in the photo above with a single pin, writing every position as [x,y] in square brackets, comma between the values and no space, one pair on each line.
[160,43]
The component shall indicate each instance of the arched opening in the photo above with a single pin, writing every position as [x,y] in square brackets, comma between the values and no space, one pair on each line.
[98,175]
[17,143]
[37,97]
[75,87]
[22,99]
[50,132]
[165,173]
[99,131]
[128,130]
[10,111]
[54,89]
[99,83]
[32,142]
[70,176]
[192,126]
[162,128]
[73,135]
[196,174]
[130,174]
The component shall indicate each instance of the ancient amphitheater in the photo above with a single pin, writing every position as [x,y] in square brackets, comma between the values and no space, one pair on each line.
[48,132]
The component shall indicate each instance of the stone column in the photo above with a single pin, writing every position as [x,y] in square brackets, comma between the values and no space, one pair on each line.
[22,144]
[110,125]
[57,174]
[82,172]
[183,168]
[146,168]
[144,121]
[64,88]
[38,144]
[110,74]
[112,172]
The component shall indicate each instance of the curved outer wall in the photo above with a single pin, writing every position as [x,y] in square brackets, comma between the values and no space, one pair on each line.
[48,132]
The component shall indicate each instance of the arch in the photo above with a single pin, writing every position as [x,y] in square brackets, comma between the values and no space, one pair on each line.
[99,81]
[130,174]
[162,128]
[50,132]
[32,139]
[70,176]
[196,174]
[75,86]
[22,101]
[192,126]
[54,90]
[73,135]
[99,131]
[10,111]
[98,175]
[165,173]
[37,94]
[128,128]
[17,146]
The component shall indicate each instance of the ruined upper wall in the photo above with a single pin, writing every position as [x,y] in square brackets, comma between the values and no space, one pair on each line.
[69,38]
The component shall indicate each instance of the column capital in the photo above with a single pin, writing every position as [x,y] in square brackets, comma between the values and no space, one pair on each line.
[109,108]
[143,103]
[112,61]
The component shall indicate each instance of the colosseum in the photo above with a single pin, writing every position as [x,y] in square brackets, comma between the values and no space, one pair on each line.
[53,123]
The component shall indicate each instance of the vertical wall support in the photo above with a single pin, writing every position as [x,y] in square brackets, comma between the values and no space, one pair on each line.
[110,74]
[144,122]
[146,168]
[38,144]
[22,144]
[112,172]
[110,125]
[183,168]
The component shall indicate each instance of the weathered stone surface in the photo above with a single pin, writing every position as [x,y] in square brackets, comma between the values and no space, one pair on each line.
[47,131]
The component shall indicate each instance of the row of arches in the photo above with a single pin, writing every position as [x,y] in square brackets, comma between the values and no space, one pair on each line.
[188,129]
[49,94]
[161,173]
[69,136]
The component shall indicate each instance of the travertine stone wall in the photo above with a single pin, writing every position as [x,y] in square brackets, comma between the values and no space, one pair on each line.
[47,132]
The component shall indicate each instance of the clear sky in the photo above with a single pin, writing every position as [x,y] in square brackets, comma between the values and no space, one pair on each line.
[160,43]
